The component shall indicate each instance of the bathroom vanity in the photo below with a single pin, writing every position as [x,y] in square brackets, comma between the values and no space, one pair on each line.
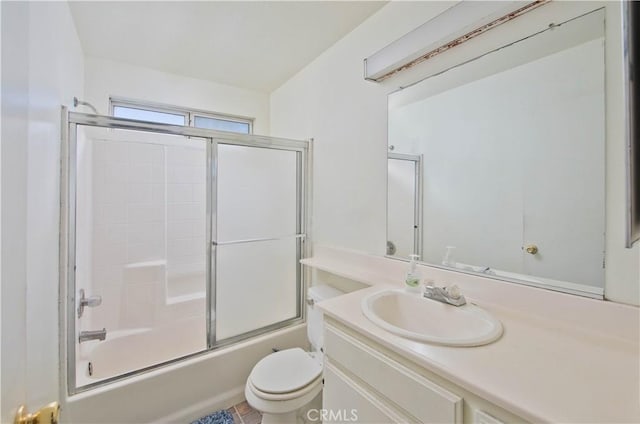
[561,358]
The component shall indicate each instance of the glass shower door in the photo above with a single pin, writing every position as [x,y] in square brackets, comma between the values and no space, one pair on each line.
[257,238]
[140,275]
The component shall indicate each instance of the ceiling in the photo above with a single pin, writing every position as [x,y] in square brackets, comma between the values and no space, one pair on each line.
[255,45]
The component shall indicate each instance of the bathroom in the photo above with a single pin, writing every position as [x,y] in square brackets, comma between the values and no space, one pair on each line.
[337,225]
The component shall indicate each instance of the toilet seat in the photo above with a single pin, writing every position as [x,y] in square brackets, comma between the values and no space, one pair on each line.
[311,387]
[285,372]
[284,381]
[282,403]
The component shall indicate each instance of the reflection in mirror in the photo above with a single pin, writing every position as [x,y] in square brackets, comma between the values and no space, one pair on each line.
[512,144]
[404,186]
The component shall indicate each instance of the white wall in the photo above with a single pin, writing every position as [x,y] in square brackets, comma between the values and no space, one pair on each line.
[106,78]
[42,68]
[347,116]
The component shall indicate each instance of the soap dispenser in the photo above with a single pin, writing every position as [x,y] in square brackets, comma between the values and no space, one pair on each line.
[412,280]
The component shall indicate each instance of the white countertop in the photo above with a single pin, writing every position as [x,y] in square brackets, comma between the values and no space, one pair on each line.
[562,358]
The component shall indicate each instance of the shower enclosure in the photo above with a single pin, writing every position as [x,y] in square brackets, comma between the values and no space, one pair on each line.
[177,240]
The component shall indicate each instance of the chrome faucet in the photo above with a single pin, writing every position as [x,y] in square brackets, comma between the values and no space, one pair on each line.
[85,336]
[450,295]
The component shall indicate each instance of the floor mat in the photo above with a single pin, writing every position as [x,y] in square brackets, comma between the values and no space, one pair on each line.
[220,417]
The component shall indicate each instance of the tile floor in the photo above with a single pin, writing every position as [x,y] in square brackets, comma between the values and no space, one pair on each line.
[242,413]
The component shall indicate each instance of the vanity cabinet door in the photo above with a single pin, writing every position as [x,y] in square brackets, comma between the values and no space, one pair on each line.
[345,401]
[407,390]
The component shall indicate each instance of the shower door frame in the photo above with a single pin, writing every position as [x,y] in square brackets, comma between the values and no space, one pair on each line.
[68,186]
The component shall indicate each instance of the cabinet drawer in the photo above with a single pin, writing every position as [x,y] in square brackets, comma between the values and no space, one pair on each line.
[420,397]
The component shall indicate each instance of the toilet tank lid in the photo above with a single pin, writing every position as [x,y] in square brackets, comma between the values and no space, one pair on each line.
[322,291]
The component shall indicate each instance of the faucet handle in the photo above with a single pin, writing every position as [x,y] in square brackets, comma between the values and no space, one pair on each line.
[428,283]
[453,292]
[91,302]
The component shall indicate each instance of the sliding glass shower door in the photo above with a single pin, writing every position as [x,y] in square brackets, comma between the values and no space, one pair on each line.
[257,239]
[179,240]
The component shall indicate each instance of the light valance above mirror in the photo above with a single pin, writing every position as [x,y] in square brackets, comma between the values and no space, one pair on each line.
[470,18]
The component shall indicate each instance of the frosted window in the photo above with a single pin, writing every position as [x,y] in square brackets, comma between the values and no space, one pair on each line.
[221,124]
[148,115]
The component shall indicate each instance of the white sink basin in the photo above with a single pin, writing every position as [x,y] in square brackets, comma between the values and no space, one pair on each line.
[412,316]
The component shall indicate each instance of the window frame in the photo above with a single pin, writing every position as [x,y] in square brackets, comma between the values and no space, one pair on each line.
[188,113]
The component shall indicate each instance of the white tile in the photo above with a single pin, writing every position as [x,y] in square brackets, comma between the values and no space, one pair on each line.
[179,193]
[140,294]
[118,151]
[109,192]
[139,193]
[101,150]
[146,232]
[199,193]
[144,274]
[179,175]
[185,156]
[178,247]
[107,254]
[158,156]
[158,174]
[180,229]
[140,173]
[185,212]
[145,212]
[110,150]
[185,247]
[116,172]
[143,252]
[159,193]
[110,233]
[106,276]
[109,213]
[195,269]
[136,315]
[200,227]
[198,174]
[98,172]
[176,258]
[140,152]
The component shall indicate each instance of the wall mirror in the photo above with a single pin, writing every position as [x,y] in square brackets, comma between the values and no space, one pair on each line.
[509,150]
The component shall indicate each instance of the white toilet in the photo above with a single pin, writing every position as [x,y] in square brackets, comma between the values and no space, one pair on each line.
[286,384]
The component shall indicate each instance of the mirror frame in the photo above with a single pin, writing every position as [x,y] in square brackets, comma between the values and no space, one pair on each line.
[631,29]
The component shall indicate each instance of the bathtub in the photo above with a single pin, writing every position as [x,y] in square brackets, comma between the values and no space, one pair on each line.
[134,349]
[179,392]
